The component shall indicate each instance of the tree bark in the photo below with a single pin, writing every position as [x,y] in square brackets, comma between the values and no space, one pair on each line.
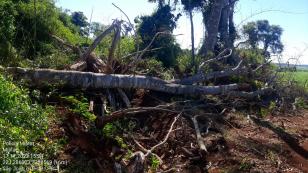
[99,38]
[224,23]
[88,80]
[201,77]
[232,30]
[192,32]
[211,25]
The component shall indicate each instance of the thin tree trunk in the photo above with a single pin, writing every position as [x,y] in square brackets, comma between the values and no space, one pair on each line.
[192,32]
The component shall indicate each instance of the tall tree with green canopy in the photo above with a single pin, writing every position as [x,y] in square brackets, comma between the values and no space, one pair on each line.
[162,20]
[80,20]
[262,35]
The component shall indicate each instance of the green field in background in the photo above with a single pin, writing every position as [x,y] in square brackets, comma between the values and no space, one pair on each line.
[300,76]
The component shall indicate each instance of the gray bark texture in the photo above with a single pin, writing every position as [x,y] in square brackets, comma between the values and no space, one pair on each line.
[192,32]
[88,80]
[232,30]
[224,23]
[212,25]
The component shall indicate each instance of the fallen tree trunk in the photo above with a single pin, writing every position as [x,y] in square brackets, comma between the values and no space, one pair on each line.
[88,80]
[201,77]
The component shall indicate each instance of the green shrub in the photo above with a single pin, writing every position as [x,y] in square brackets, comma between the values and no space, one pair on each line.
[301,103]
[251,56]
[80,106]
[21,120]
[154,161]
[184,62]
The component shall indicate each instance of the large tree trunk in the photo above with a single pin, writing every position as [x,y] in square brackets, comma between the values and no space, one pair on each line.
[88,80]
[211,24]
[224,23]
[232,30]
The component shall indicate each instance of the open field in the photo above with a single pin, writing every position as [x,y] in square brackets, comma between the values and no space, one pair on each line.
[300,76]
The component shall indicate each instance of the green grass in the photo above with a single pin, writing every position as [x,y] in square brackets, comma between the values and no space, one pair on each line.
[301,77]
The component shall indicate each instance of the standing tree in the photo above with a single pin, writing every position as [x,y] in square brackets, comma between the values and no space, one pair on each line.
[162,20]
[211,18]
[227,32]
[262,35]
[80,20]
[219,25]
[189,6]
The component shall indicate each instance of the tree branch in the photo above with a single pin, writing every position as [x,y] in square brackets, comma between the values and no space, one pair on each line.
[198,134]
[200,77]
[99,38]
[166,137]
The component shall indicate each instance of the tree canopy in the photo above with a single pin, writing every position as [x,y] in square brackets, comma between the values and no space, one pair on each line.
[261,34]
[161,21]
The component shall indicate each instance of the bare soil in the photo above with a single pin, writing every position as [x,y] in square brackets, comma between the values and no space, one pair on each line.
[252,148]
[238,145]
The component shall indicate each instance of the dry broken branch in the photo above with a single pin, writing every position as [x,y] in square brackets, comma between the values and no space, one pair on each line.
[220,56]
[200,77]
[99,38]
[198,134]
[75,49]
[166,137]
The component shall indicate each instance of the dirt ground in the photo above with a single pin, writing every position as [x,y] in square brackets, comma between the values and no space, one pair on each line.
[252,148]
[240,145]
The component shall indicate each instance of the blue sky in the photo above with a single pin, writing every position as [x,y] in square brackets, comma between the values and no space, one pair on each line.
[291,15]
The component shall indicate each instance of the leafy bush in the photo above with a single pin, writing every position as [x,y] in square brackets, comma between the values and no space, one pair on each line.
[25,30]
[21,120]
[153,67]
[300,102]
[252,56]
[80,106]
[17,111]
[55,60]
[184,61]
[7,30]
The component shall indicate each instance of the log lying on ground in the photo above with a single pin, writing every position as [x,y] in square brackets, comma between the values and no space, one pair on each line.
[88,80]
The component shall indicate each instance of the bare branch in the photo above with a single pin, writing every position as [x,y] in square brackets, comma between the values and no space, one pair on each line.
[220,56]
[130,23]
[261,66]
[124,97]
[134,53]
[139,56]
[75,49]
[166,137]
[198,134]
[99,38]
[200,77]
[116,39]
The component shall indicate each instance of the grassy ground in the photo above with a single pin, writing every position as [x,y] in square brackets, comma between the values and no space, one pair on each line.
[301,77]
